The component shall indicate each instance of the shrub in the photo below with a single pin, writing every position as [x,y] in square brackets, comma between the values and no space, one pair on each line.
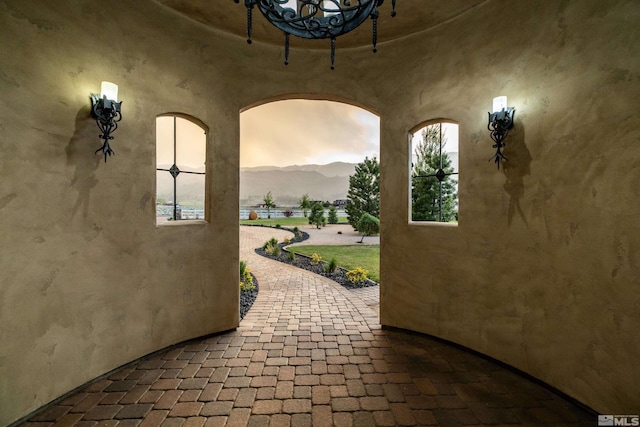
[272,247]
[357,275]
[292,256]
[287,240]
[246,279]
[288,213]
[278,226]
[331,266]
[368,225]
[297,233]
[315,259]
[271,242]
[276,250]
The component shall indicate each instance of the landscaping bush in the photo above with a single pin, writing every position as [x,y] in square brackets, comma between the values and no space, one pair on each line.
[331,266]
[315,259]
[368,225]
[357,275]
[246,279]
[271,242]
[288,213]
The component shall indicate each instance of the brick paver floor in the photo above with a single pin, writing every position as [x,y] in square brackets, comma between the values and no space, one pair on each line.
[310,353]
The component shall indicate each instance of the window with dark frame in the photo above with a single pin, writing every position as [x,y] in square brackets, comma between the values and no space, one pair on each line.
[180,169]
[434,173]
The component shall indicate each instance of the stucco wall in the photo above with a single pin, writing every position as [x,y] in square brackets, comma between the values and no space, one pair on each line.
[88,281]
[543,270]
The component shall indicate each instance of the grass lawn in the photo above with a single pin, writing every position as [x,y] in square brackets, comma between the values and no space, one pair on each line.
[349,257]
[284,222]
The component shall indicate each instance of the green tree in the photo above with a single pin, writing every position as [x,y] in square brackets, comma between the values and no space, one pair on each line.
[333,215]
[364,191]
[368,225]
[305,204]
[268,203]
[316,216]
[432,199]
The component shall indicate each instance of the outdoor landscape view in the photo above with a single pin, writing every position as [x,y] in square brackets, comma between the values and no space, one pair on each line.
[309,167]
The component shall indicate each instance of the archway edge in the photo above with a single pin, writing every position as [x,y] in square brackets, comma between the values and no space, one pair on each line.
[425,123]
[310,97]
[187,117]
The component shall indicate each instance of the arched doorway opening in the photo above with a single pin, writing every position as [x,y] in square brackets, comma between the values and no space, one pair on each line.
[300,156]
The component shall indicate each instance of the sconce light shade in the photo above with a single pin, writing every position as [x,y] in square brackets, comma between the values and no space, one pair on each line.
[499,102]
[109,90]
[107,111]
[500,121]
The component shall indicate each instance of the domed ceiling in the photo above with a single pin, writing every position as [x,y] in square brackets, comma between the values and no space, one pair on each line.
[412,16]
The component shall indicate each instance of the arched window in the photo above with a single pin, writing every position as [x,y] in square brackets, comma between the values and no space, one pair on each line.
[434,172]
[180,168]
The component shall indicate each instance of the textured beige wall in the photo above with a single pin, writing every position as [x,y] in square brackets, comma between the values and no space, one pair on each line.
[541,273]
[88,281]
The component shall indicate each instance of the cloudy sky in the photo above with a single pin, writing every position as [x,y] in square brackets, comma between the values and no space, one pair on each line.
[296,132]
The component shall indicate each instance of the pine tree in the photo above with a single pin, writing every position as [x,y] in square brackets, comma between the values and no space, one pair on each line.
[316,216]
[364,191]
[431,199]
[333,215]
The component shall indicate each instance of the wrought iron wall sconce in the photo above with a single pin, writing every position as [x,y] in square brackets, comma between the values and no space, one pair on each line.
[106,111]
[500,121]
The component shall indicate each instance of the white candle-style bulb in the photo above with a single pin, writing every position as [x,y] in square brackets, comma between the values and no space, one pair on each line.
[331,8]
[110,90]
[292,4]
[499,102]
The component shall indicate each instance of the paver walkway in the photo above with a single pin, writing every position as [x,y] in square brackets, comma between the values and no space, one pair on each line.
[310,353]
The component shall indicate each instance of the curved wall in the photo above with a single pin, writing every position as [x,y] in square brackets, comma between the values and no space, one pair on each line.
[89,282]
[543,270]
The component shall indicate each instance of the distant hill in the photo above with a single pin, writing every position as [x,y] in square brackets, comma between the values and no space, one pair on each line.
[331,169]
[287,184]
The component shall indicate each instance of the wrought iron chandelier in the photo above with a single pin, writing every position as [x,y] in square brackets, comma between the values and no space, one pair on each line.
[317,19]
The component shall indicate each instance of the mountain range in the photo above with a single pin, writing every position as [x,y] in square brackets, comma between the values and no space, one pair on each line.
[287,184]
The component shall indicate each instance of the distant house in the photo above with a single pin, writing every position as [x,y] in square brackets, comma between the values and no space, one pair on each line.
[340,203]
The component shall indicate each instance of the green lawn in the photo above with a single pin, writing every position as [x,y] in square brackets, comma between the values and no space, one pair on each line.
[349,257]
[284,222]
